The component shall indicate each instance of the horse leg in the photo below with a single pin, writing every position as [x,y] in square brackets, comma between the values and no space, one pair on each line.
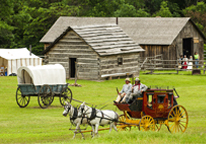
[110,127]
[77,128]
[96,128]
[92,133]
[81,132]
[114,127]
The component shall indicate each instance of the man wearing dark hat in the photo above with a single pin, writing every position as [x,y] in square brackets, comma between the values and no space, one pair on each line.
[136,91]
[125,90]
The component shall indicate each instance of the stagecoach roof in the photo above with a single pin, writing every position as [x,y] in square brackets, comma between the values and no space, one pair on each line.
[43,74]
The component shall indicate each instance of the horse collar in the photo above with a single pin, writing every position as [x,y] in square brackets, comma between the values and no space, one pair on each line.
[75,114]
[93,114]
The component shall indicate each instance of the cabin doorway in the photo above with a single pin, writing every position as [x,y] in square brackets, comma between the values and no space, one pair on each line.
[188,47]
[72,69]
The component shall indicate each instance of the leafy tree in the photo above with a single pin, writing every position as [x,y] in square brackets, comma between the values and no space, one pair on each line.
[152,6]
[126,10]
[198,15]
[164,10]
[6,36]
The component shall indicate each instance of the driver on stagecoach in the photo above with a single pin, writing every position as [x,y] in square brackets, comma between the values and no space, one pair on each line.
[125,91]
[135,92]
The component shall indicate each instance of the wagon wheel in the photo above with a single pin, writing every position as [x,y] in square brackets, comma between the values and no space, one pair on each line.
[177,119]
[45,97]
[66,95]
[121,124]
[147,123]
[21,100]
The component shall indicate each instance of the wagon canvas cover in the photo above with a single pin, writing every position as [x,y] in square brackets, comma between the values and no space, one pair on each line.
[39,75]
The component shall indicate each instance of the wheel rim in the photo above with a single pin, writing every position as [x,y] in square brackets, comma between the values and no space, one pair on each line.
[122,120]
[147,123]
[177,119]
[21,100]
[66,95]
[45,97]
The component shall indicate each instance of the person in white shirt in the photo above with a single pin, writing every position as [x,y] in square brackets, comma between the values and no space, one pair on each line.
[125,90]
[136,91]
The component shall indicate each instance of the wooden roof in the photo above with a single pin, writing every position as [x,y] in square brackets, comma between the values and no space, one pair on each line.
[144,31]
[104,39]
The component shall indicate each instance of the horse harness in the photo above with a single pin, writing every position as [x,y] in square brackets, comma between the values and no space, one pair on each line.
[94,115]
[75,116]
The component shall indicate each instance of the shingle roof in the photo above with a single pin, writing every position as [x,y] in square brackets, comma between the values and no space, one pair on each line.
[103,39]
[154,31]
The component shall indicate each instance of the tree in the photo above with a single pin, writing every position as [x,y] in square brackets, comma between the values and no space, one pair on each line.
[164,10]
[6,36]
[198,15]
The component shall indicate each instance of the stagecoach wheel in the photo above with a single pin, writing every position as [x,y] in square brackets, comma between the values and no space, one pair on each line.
[21,100]
[147,123]
[45,97]
[66,95]
[177,119]
[121,124]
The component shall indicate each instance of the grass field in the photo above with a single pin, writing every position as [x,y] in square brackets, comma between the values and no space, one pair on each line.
[35,125]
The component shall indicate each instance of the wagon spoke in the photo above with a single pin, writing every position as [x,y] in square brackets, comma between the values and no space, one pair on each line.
[177,127]
[183,122]
[182,125]
[180,128]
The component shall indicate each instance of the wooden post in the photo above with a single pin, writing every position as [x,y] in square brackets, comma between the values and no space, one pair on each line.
[132,79]
[75,73]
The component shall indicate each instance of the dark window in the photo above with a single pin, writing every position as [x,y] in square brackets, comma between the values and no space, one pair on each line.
[119,61]
[160,98]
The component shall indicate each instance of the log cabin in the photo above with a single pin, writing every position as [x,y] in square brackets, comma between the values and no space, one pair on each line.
[95,52]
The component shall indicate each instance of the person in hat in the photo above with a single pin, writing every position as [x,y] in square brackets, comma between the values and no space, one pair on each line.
[136,91]
[125,90]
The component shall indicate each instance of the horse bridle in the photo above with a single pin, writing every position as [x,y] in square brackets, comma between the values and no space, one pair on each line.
[68,108]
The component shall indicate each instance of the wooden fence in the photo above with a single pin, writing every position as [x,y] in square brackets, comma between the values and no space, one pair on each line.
[174,65]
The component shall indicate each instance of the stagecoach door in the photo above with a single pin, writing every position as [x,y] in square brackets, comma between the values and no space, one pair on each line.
[161,105]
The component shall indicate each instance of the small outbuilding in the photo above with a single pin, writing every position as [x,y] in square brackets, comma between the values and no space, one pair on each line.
[95,52]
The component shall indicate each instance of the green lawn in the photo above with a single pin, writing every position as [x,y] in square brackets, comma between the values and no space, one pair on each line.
[35,125]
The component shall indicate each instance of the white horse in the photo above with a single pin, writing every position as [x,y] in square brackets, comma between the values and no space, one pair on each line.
[98,117]
[74,118]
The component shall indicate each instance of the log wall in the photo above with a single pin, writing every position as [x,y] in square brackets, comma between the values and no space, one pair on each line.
[72,46]
[109,64]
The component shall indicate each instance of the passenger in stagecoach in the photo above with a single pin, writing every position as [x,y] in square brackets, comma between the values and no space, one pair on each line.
[135,92]
[125,91]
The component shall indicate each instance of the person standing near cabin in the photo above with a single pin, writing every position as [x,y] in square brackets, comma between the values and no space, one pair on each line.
[185,62]
[125,90]
[196,57]
[136,91]
[190,64]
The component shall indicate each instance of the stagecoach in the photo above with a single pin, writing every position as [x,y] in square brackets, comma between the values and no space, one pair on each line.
[44,82]
[156,107]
